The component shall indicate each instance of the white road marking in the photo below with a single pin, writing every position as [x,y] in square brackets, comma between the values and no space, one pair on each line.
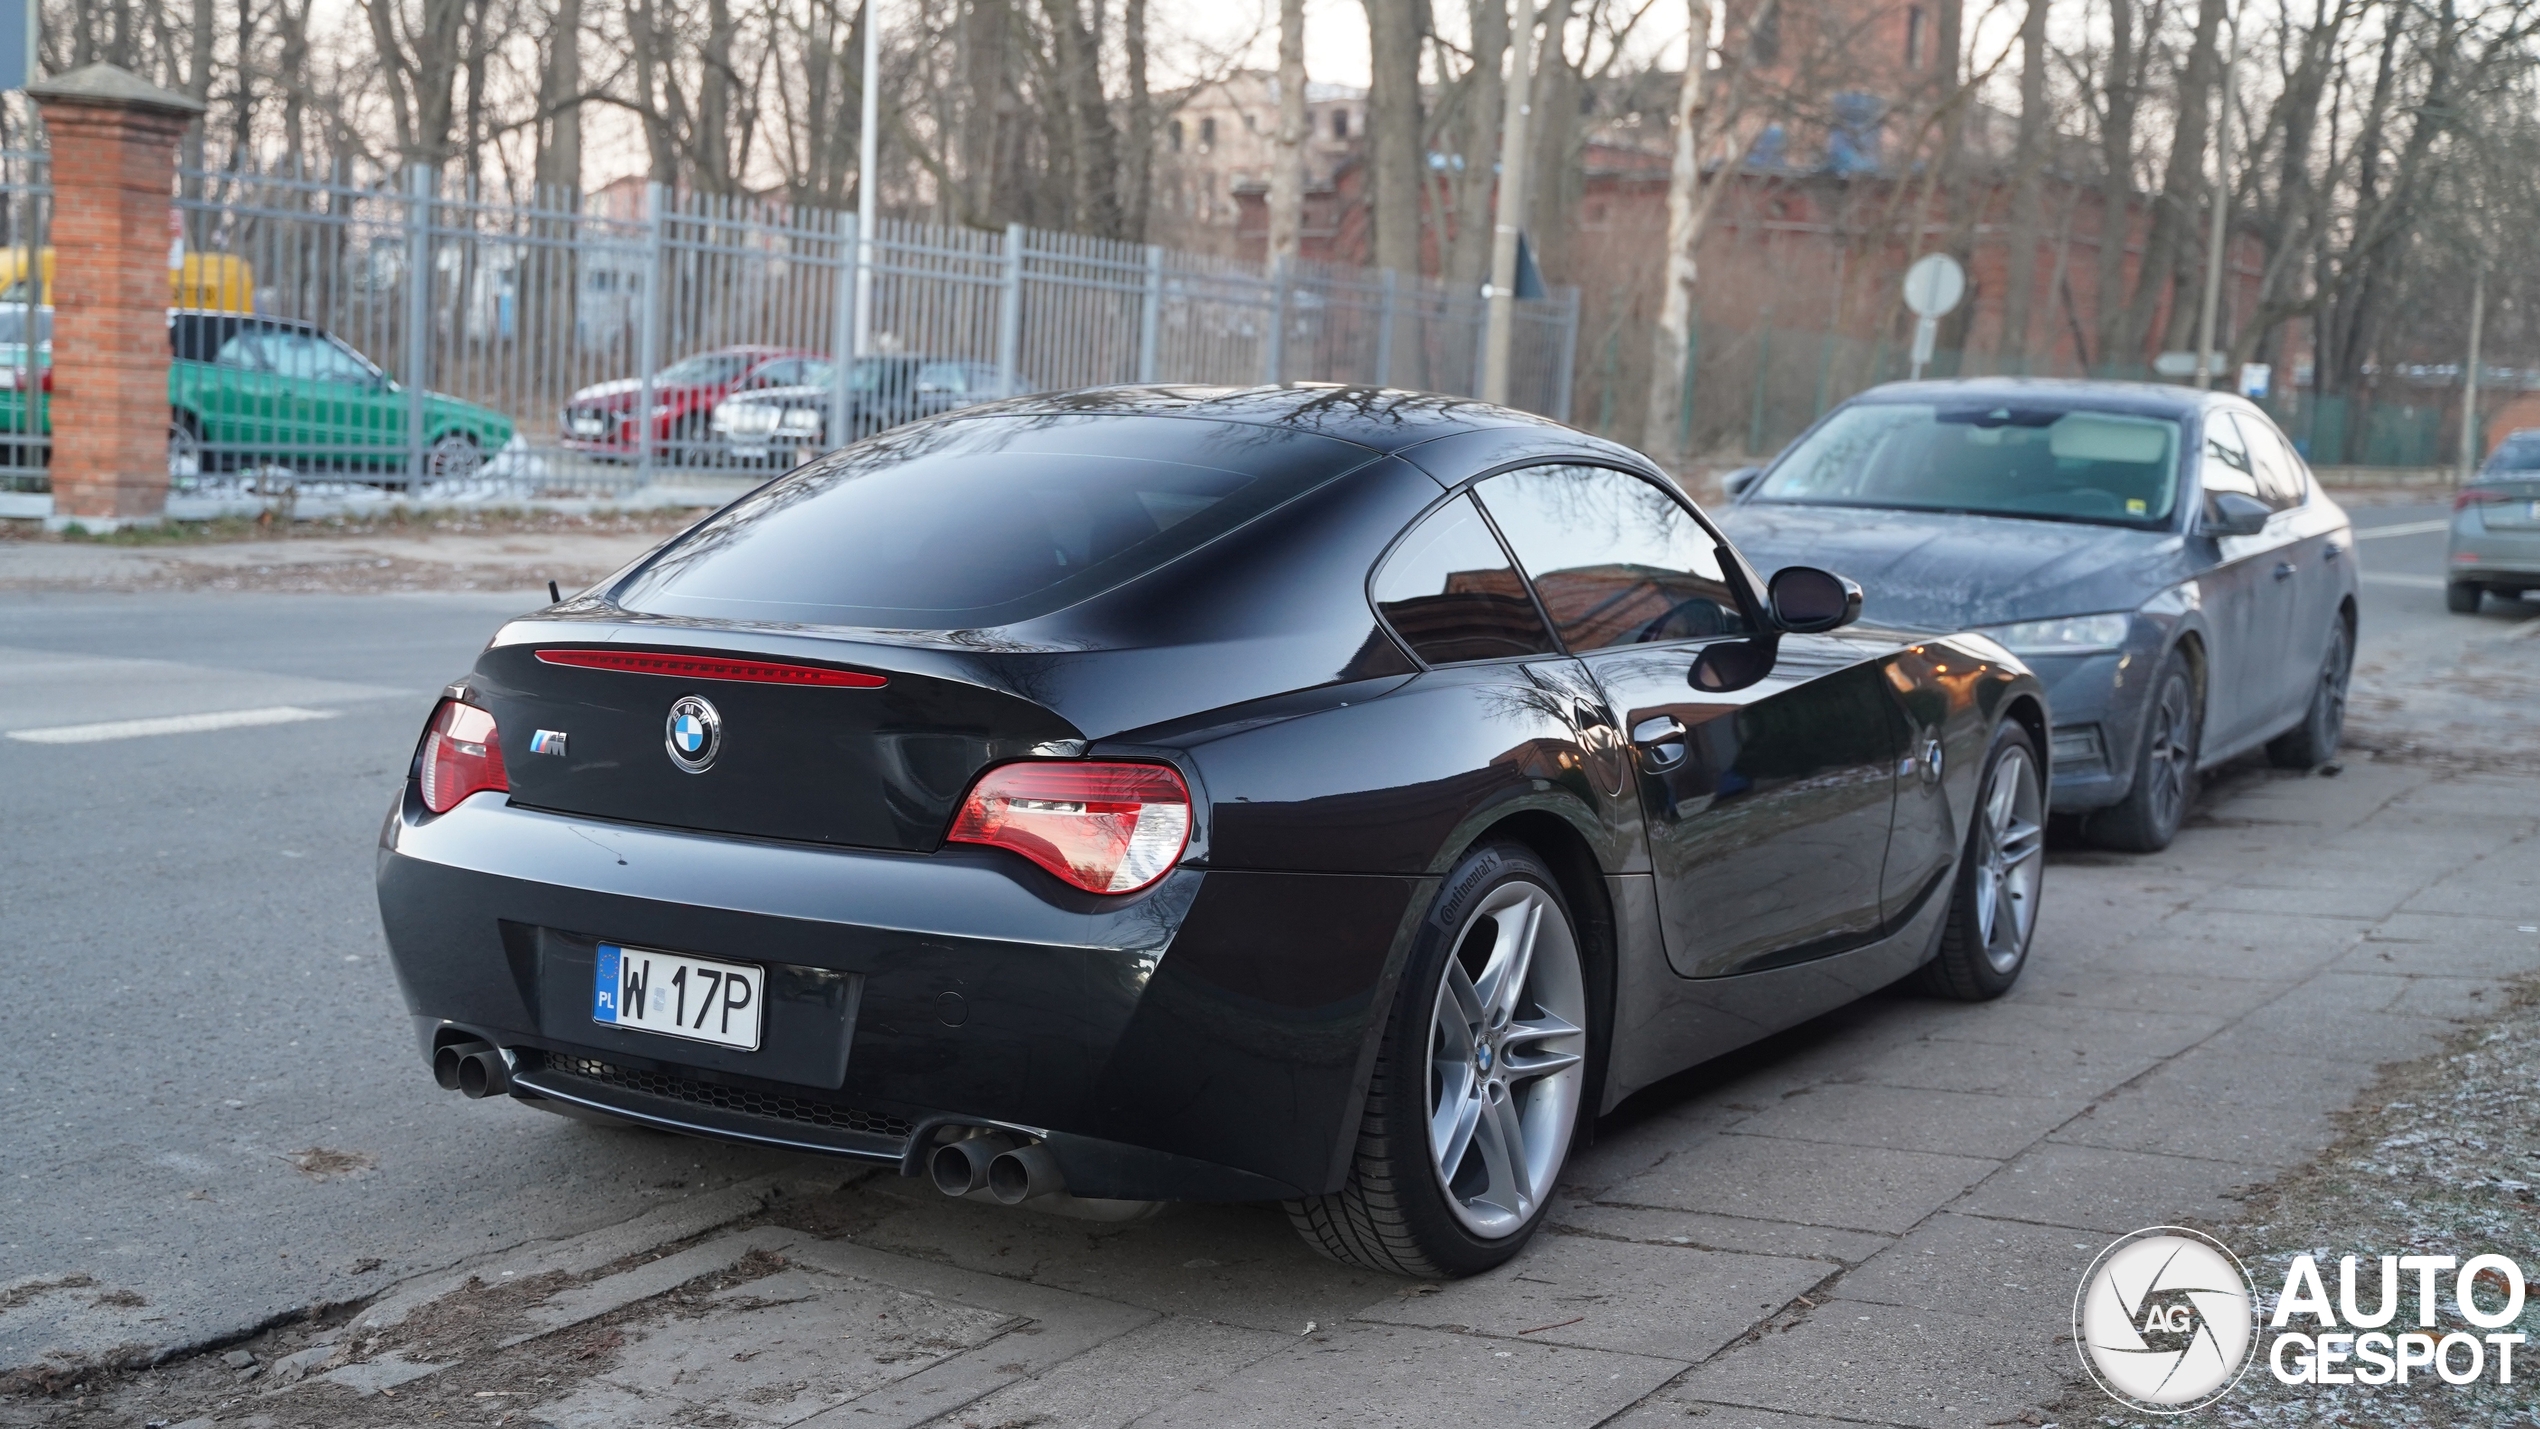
[2404,528]
[2411,582]
[168,724]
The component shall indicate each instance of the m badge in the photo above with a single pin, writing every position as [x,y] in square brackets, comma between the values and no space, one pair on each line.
[547,741]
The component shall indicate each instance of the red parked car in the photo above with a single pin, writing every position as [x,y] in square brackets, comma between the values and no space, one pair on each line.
[600,419]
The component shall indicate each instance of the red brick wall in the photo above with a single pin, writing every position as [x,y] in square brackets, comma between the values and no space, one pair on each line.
[113,169]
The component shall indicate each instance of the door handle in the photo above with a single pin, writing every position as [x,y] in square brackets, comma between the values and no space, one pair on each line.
[1661,741]
[2284,570]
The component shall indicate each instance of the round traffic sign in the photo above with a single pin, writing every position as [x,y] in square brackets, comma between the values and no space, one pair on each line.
[1934,285]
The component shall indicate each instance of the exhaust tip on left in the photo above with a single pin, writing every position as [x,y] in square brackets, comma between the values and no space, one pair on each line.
[445,1062]
[474,1070]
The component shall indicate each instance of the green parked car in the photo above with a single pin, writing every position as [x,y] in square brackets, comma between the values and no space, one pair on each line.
[248,391]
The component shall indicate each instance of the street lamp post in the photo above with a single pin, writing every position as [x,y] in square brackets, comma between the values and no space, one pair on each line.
[868,154]
[1510,206]
[2222,219]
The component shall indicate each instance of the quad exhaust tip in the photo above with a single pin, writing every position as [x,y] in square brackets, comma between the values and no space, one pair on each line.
[961,1167]
[1025,1172]
[475,1070]
[1009,1169]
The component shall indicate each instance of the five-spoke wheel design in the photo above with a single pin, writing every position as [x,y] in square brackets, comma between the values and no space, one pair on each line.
[1507,1041]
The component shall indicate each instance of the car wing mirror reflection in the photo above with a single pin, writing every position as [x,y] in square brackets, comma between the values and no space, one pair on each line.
[1726,665]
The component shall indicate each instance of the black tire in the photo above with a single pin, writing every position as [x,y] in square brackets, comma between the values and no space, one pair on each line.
[1993,904]
[2164,788]
[2461,597]
[2313,742]
[1395,1212]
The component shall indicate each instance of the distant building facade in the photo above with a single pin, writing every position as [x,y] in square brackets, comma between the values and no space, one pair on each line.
[1221,143]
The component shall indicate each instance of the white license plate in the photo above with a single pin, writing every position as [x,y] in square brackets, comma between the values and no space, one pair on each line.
[679,996]
[586,428]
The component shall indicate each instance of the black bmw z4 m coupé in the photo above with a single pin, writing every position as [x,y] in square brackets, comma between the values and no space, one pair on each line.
[1324,795]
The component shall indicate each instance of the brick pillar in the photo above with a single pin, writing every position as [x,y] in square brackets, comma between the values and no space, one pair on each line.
[113,137]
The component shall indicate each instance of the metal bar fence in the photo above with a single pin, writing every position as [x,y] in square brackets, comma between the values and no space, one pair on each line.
[394,334]
[26,320]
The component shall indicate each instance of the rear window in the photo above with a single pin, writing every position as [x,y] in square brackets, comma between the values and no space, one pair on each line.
[2519,453]
[979,523]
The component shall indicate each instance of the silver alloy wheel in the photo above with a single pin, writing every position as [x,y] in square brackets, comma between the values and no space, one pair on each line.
[1507,1046]
[2173,758]
[2011,861]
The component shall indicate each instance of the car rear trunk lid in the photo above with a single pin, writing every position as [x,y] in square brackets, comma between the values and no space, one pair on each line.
[863,744]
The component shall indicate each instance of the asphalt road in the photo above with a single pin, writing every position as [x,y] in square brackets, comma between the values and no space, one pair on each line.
[220,1108]
[200,1005]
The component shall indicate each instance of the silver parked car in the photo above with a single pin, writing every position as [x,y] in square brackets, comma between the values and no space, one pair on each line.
[791,424]
[2496,527]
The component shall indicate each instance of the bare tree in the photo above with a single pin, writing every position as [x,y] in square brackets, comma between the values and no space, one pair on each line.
[1395,129]
[1287,168]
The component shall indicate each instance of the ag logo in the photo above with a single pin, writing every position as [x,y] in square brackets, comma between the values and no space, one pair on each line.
[694,735]
[2165,1320]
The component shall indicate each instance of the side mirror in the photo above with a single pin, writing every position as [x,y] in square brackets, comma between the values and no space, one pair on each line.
[1806,600]
[2231,513]
[1733,485]
[1726,665]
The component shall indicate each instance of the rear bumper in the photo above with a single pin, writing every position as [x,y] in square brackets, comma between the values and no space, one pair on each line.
[1207,1040]
[2509,558]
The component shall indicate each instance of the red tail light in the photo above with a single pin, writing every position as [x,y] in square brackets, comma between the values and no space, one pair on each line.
[460,756]
[1106,828]
[2469,496]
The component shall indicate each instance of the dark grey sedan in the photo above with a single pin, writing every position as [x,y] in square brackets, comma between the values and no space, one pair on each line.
[2160,556]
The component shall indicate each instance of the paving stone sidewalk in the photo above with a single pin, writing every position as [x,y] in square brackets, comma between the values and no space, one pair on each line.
[1877,1218]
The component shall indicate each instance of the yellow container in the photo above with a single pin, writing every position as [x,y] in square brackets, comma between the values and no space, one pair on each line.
[220,282]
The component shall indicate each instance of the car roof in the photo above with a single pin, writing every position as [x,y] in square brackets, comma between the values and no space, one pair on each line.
[2148,398]
[1380,418]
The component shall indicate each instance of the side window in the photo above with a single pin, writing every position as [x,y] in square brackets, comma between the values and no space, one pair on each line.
[783,372]
[2279,471]
[243,350]
[940,377]
[1617,560]
[1450,593]
[2226,465]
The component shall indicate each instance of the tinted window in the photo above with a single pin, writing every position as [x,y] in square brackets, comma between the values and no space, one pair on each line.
[2049,463]
[2225,465]
[2278,471]
[706,369]
[1616,560]
[304,356]
[1450,593]
[976,523]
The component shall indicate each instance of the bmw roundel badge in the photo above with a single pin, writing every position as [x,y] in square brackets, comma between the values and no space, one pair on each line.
[694,735]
